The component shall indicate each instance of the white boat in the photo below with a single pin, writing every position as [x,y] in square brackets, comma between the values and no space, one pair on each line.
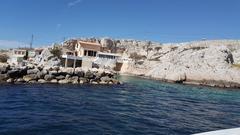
[233,131]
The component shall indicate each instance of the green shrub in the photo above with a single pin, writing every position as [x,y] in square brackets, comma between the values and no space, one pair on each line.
[136,56]
[57,52]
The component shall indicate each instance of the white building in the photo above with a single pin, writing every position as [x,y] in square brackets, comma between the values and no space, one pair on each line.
[87,55]
[108,56]
[17,56]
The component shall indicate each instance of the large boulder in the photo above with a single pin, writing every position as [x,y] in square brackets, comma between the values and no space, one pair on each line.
[115,81]
[65,71]
[90,75]
[17,73]
[53,62]
[30,66]
[42,81]
[41,75]
[10,80]
[54,72]
[106,79]
[3,77]
[30,77]
[45,71]
[80,73]
[74,80]
[4,69]
[49,77]
[61,77]
[56,68]
[83,80]
[65,81]
[33,82]
[47,59]
[23,71]
[20,80]
[33,71]
[14,73]
[45,56]
[54,81]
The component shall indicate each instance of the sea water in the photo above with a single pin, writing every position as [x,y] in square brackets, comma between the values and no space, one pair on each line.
[138,107]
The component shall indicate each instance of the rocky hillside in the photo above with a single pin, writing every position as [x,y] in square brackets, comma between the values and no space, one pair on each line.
[213,62]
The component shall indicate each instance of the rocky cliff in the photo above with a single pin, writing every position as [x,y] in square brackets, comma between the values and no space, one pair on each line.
[213,63]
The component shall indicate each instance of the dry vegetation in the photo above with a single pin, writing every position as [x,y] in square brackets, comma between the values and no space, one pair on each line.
[3,58]
[236,65]
[136,56]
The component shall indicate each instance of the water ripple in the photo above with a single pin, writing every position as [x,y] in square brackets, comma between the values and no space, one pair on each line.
[137,107]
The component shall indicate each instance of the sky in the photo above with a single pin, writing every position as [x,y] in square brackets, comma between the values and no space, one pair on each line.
[163,21]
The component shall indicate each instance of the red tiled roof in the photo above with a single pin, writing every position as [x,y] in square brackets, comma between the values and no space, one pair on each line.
[90,46]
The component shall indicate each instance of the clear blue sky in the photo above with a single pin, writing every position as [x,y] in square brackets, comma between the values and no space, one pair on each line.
[157,20]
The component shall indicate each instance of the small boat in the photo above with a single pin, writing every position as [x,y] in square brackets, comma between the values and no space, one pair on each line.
[233,131]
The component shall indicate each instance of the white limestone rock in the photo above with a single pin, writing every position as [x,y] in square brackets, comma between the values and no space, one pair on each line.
[203,61]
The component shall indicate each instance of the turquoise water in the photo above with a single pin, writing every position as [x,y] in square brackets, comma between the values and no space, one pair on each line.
[138,107]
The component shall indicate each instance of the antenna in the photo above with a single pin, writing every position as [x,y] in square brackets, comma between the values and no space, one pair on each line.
[31,43]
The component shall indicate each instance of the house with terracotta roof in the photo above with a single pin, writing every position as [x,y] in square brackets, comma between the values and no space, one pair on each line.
[83,55]
[86,54]
[87,49]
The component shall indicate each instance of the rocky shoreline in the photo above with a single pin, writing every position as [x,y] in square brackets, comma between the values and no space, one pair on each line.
[208,63]
[55,75]
[207,83]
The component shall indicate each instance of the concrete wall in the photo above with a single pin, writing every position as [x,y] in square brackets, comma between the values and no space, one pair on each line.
[70,63]
[86,63]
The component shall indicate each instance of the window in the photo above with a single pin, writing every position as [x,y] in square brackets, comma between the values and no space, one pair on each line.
[90,53]
[85,52]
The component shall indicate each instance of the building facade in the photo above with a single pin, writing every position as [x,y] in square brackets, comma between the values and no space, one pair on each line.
[17,56]
[86,55]
[87,49]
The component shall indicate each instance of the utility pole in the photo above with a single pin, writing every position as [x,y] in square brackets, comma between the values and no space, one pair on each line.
[31,43]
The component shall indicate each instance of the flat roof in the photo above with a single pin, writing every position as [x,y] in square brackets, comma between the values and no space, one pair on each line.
[109,54]
[71,57]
